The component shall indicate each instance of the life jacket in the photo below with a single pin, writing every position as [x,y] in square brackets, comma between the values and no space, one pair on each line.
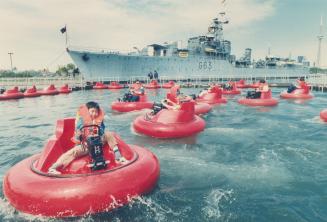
[83,113]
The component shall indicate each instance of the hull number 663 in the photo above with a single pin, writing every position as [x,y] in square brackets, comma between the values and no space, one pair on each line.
[205,65]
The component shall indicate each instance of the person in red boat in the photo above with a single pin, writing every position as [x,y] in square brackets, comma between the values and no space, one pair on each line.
[88,114]
[301,84]
[263,87]
[134,93]
[175,98]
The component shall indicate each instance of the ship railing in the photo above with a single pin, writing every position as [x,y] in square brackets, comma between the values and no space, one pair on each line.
[317,81]
[41,82]
[272,78]
[87,49]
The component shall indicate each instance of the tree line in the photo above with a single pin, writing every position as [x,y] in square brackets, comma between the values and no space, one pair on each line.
[69,70]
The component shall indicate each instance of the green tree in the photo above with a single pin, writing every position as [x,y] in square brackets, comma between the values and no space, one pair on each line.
[67,70]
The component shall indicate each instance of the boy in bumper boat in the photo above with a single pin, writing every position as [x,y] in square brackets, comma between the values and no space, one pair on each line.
[88,114]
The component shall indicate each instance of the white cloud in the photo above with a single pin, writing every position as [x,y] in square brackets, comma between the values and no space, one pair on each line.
[31,28]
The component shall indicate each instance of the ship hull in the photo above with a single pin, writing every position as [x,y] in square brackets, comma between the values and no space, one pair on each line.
[100,65]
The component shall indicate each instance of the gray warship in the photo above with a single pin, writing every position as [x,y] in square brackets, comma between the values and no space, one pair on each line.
[205,56]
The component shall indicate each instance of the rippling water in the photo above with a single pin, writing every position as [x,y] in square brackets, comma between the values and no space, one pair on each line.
[250,164]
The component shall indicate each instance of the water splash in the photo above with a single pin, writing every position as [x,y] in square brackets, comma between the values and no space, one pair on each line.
[215,201]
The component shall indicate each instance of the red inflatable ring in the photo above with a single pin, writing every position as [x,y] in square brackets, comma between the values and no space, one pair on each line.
[78,190]
[212,96]
[296,94]
[242,85]
[65,89]
[152,85]
[11,94]
[169,123]
[31,92]
[231,92]
[100,85]
[51,90]
[323,115]
[265,100]
[115,85]
[168,85]
[202,108]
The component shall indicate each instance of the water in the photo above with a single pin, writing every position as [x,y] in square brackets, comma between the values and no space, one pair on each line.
[250,164]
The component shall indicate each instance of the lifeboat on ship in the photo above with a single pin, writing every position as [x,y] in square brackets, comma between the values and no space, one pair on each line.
[115,85]
[121,106]
[152,85]
[32,92]
[100,85]
[48,91]
[170,123]
[265,100]
[323,115]
[65,89]
[79,190]
[13,93]
[212,96]
[168,85]
[298,93]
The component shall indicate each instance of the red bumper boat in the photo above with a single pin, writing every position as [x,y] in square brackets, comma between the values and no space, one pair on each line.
[168,85]
[78,190]
[241,84]
[143,103]
[323,115]
[11,94]
[296,94]
[254,85]
[32,92]
[212,96]
[100,85]
[152,85]
[115,85]
[202,108]
[265,100]
[233,90]
[65,89]
[51,90]
[169,123]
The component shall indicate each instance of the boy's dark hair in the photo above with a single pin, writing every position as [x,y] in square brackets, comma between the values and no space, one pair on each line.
[302,78]
[262,81]
[92,104]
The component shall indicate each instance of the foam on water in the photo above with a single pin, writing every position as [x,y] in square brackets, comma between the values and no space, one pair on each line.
[214,202]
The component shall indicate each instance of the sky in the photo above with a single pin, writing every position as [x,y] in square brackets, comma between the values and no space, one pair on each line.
[31,28]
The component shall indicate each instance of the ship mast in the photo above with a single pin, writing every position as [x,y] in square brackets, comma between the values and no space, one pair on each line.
[320,37]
